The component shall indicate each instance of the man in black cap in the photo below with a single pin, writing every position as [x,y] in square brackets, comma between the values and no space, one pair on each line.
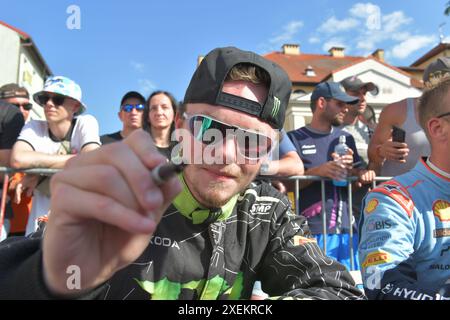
[208,233]
[11,122]
[131,110]
[360,131]
[315,144]
[18,96]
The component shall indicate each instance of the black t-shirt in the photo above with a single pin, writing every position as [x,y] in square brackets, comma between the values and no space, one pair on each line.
[111,137]
[116,136]
[11,123]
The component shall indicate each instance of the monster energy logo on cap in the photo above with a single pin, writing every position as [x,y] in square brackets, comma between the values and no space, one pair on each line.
[276,106]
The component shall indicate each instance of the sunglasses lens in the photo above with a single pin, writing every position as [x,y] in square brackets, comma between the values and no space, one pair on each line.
[209,131]
[27,106]
[253,145]
[58,100]
[129,107]
[42,99]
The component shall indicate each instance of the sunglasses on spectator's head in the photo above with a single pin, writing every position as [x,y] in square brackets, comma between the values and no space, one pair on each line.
[57,99]
[26,106]
[129,107]
[252,145]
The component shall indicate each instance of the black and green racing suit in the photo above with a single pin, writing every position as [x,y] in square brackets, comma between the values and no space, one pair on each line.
[205,254]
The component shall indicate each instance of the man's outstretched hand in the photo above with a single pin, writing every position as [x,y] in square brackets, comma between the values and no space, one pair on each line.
[104,210]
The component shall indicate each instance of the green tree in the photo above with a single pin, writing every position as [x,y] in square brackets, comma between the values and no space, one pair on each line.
[447,9]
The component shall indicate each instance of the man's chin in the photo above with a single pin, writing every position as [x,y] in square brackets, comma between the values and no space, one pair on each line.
[215,198]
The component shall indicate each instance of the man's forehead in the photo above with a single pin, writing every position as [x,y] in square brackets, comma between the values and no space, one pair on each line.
[131,100]
[247,90]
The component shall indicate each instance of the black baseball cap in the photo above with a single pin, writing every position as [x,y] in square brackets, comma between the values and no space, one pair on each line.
[332,90]
[207,82]
[13,90]
[133,94]
[353,83]
[436,70]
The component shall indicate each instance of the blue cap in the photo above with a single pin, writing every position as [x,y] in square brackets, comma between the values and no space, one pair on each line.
[332,90]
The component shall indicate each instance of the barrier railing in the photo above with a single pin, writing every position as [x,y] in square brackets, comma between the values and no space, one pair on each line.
[322,180]
[46,171]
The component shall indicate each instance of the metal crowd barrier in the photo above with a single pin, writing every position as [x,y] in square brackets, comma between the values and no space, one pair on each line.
[322,180]
[297,179]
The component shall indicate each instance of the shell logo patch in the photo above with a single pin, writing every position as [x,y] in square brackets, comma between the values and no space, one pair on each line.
[371,206]
[441,209]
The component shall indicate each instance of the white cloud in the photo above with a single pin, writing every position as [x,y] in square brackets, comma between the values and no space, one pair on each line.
[287,34]
[401,36]
[146,86]
[392,22]
[313,40]
[137,66]
[414,43]
[363,10]
[366,45]
[333,25]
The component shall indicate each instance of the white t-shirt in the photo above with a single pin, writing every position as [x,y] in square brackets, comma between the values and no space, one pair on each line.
[37,135]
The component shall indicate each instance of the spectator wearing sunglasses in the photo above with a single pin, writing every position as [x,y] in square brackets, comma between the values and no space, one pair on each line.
[50,143]
[130,114]
[208,233]
[11,122]
[159,120]
[18,210]
[18,96]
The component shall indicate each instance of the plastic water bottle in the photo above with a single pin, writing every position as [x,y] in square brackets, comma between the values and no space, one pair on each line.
[340,149]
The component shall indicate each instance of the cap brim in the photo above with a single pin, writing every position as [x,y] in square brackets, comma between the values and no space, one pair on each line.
[346,98]
[372,88]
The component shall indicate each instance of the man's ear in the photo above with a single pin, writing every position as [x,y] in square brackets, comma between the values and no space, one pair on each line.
[321,102]
[437,130]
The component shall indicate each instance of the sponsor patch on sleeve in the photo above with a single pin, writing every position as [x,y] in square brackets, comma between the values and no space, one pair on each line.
[376,258]
[371,206]
[398,193]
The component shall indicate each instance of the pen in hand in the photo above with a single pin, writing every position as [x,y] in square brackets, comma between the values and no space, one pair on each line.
[165,171]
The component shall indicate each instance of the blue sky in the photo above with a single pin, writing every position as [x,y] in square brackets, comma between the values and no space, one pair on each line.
[148,45]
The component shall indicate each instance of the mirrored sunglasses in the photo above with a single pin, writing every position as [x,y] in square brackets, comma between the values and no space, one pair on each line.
[129,107]
[250,144]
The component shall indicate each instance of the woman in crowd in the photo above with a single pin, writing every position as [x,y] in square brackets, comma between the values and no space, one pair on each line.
[158,120]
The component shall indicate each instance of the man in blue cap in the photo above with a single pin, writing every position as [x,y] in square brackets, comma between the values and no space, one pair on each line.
[315,144]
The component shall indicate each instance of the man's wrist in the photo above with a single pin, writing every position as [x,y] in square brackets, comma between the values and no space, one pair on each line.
[379,153]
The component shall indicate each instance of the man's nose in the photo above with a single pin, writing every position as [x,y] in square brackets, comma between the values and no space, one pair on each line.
[228,149]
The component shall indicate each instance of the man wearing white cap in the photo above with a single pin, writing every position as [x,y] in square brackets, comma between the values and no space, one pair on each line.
[50,143]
